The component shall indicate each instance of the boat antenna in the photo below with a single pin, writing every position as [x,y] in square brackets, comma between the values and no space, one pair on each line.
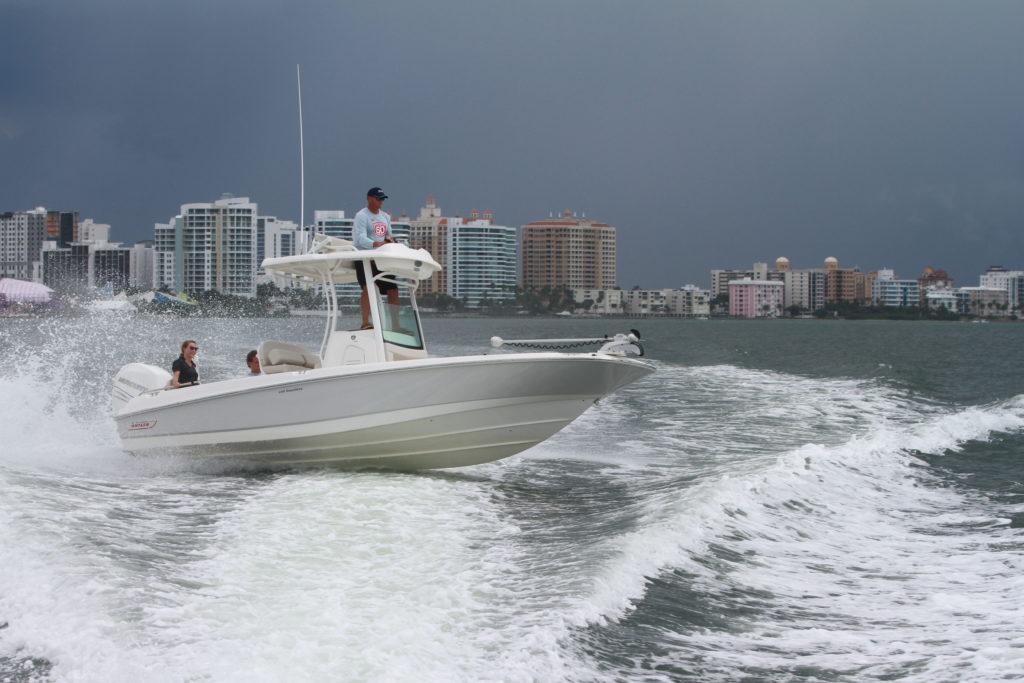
[302,165]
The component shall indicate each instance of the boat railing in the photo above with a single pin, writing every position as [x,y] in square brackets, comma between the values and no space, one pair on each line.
[617,345]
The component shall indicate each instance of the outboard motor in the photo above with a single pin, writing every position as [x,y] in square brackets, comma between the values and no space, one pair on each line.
[134,379]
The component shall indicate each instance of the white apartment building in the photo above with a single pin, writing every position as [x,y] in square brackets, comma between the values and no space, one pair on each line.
[481,261]
[688,301]
[141,273]
[886,290]
[953,300]
[209,246]
[997,277]
[275,238]
[805,288]
[601,301]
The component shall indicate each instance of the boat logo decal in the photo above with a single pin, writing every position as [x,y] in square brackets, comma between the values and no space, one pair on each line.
[142,424]
[133,385]
[288,391]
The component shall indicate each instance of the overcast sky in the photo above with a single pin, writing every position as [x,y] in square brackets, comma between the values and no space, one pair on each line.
[711,133]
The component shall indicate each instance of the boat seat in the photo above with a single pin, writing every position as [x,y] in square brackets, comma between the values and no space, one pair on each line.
[278,356]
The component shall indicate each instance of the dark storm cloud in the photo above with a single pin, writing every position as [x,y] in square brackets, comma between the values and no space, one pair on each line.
[712,134]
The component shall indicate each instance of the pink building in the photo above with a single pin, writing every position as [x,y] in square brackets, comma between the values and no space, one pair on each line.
[755,298]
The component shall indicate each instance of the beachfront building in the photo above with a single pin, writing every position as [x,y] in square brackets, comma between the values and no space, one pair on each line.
[688,301]
[887,290]
[933,279]
[208,246]
[997,277]
[568,250]
[942,298]
[598,301]
[987,301]
[846,284]
[477,256]
[756,298]
[643,302]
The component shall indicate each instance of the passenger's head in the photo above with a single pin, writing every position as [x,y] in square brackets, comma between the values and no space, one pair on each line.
[189,345]
[253,361]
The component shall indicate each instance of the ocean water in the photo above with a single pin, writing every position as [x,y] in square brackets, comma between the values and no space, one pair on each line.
[779,501]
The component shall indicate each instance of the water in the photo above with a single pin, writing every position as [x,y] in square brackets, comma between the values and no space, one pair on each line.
[780,501]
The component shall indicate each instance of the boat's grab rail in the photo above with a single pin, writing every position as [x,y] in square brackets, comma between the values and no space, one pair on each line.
[619,345]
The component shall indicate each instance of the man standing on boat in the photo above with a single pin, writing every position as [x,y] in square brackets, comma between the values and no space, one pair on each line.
[372,229]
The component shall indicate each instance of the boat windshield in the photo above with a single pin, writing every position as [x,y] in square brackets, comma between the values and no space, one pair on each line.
[401,324]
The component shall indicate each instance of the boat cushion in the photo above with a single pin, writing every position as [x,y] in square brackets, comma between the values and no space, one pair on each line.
[281,357]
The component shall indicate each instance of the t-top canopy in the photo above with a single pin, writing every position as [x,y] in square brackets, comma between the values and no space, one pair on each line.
[335,259]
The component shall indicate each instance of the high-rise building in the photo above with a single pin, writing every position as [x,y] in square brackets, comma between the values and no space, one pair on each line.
[21,238]
[568,251]
[62,226]
[477,256]
[274,238]
[429,231]
[209,246]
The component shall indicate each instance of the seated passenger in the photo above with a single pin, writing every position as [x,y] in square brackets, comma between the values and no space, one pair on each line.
[253,361]
[184,372]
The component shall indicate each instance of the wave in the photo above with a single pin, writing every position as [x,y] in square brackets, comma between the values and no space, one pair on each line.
[847,556]
[706,523]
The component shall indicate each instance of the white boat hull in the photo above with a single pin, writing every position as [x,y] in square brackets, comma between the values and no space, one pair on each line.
[410,415]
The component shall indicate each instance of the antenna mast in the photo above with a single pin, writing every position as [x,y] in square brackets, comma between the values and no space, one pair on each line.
[302,168]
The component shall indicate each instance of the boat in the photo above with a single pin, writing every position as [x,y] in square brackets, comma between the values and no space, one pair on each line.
[371,398]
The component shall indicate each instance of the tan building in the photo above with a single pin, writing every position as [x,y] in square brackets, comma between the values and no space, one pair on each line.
[845,284]
[429,231]
[576,252]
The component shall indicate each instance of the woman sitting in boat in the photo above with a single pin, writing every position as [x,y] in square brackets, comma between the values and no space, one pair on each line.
[184,372]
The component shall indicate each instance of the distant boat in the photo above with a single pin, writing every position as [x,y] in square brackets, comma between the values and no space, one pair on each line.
[117,304]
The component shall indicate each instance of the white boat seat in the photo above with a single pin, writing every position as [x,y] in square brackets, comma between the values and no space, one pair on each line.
[278,356]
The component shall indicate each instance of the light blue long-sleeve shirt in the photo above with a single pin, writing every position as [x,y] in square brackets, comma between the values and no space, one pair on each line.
[369,228]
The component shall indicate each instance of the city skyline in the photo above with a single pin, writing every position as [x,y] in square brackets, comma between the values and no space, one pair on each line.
[707,281]
[708,133]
